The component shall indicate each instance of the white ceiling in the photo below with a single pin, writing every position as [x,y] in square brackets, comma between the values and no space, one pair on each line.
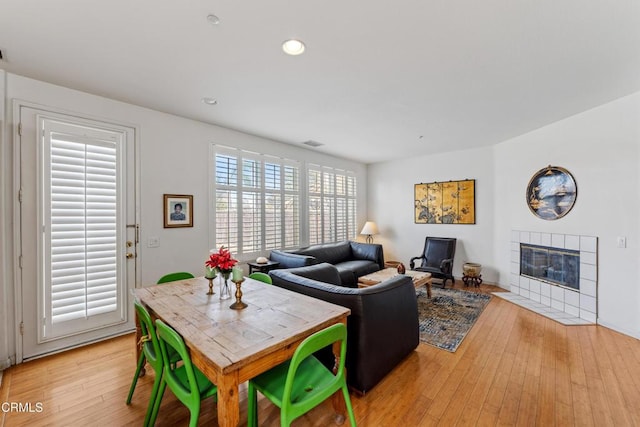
[380,80]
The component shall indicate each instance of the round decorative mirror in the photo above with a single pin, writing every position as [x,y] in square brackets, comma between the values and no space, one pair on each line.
[551,193]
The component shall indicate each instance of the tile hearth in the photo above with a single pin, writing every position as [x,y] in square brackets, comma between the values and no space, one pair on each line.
[544,310]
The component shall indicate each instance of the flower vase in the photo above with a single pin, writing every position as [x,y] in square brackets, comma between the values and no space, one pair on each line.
[225,291]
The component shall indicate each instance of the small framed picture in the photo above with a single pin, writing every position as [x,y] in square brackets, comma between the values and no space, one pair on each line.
[178,210]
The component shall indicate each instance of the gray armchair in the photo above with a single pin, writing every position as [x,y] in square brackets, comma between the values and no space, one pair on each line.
[437,258]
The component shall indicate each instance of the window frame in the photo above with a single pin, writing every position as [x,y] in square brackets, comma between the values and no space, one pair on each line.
[259,187]
[330,199]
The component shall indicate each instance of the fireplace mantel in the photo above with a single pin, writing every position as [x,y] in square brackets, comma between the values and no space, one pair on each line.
[581,302]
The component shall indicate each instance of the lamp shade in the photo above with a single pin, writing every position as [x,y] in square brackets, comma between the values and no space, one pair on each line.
[370,228]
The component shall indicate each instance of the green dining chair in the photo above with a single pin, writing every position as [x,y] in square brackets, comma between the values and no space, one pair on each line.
[262,277]
[172,277]
[303,382]
[151,354]
[186,381]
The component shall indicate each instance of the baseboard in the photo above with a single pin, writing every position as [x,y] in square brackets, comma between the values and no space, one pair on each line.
[4,365]
[633,334]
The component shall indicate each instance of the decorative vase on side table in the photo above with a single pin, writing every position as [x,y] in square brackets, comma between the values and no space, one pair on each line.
[471,274]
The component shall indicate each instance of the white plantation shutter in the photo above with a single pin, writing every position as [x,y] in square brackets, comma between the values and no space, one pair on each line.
[81,216]
[226,201]
[257,204]
[332,204]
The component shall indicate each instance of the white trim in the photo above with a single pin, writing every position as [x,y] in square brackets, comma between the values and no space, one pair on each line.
[107,123]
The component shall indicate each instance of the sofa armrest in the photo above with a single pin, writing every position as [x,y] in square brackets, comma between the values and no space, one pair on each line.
[368,251]
[290,260]
[323,272]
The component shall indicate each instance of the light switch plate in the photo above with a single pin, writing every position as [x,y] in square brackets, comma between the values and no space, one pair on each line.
[153,242]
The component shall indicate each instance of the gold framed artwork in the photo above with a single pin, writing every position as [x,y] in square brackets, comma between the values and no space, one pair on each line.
[451,202]
[551,193]
[178,210]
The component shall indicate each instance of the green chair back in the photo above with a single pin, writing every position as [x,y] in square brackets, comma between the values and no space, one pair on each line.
[302,383]
[151,353]
[172,277]
[186,381]
[262,277]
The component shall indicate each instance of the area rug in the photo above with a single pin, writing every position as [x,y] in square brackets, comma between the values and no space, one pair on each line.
[448,316]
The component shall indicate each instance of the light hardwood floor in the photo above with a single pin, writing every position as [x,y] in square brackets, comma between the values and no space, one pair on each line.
[514,368]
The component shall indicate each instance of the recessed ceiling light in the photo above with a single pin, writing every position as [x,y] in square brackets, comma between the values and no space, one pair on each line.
[213,19]
[293,47]
[210,101]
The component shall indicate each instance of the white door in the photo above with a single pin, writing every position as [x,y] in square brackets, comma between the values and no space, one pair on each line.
[78,230]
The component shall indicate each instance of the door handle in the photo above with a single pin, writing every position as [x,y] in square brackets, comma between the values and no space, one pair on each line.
[130,255]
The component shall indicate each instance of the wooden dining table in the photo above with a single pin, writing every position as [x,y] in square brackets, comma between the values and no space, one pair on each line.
[232,346]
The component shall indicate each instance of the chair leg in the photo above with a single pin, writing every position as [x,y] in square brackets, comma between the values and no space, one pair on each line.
[252,413]
[195,413]
[347,401]
[155,400]
[141,361]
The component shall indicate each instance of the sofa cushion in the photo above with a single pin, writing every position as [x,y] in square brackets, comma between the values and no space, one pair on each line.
[348,278]
[332,253]
[358,266]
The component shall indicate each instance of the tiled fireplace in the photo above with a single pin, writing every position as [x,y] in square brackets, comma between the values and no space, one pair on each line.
[558,271]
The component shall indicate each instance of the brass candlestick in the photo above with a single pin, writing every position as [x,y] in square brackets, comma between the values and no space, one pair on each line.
[210,279]
[238,305]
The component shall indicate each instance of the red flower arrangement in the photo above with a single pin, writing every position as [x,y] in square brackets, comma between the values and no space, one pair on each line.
[221,260]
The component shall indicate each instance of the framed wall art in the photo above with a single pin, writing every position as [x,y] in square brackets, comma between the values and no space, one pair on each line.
[551,193]
[451,202]
[178,210]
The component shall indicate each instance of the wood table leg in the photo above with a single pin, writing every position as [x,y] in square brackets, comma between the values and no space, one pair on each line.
[428,285]
[228,400]
[337,400]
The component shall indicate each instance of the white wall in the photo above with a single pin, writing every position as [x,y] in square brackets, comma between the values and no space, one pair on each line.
[391,201]
[599,147]
[174,155]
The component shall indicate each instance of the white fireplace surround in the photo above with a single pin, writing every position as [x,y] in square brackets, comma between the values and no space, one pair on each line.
[580,303]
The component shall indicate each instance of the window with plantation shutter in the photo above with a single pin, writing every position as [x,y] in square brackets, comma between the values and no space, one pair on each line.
[332,204]
[257,202]
[81,216]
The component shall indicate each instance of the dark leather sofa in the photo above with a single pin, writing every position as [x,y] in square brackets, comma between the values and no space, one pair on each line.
[382,327]
[352,259]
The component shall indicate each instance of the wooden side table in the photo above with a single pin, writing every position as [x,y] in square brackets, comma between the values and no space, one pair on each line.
[419,278]
[263,268]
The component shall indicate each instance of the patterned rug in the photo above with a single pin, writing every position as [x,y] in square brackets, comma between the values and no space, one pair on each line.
[448,316]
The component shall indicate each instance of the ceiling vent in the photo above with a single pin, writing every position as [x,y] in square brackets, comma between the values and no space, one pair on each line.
[313,144]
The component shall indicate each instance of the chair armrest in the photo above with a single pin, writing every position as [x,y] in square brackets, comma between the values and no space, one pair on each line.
[446,265]
[412,261]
